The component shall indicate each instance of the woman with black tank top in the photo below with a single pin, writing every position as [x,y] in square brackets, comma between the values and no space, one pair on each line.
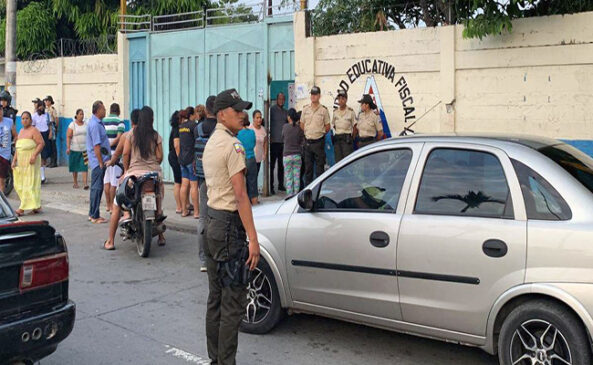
[173,158]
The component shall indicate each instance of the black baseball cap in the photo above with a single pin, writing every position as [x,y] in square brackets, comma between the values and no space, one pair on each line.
[315,90]
[343,93]
[367,99]
[210,104]
[231,99]
[36,100]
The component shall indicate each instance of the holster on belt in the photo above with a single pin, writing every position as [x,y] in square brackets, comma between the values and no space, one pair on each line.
[228,247]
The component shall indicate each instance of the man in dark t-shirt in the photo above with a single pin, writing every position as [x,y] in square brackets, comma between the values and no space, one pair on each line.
[277,121]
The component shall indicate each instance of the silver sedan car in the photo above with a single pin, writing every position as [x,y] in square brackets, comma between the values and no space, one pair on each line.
[480,240]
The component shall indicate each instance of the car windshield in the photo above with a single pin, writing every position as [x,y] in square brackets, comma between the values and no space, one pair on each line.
[575,162]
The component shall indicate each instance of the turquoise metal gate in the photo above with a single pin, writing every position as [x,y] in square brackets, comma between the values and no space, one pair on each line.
[173,70]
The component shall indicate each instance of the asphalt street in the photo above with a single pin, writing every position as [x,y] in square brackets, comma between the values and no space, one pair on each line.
[151,311]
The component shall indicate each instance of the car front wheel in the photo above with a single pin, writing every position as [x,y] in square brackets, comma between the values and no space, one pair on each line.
[543,333]
[263,309]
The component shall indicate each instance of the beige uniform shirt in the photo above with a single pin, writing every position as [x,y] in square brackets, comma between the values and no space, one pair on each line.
[369,124]
[315,121]
[224,157]
[343,120]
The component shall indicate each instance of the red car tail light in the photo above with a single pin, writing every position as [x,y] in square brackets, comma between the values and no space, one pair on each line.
[44,271]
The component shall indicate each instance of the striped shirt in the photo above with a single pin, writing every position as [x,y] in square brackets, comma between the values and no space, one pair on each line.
[113,127]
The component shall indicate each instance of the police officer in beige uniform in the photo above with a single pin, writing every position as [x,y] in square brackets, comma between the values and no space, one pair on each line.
[229,223]
[343,122]
[368,127]
[315,123]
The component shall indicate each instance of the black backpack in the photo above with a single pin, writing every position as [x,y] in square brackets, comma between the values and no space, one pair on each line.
[199,146]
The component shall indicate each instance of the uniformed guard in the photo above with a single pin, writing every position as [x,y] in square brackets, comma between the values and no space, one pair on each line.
[315,123]
[343,122]
[368,127]
[229,259]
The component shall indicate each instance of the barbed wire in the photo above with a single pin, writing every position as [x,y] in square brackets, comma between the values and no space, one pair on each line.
[64,47]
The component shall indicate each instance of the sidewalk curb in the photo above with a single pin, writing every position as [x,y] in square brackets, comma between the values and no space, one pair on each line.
[173,226]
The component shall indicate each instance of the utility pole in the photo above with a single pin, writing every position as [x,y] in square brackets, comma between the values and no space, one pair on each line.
[10,51]
[122,18]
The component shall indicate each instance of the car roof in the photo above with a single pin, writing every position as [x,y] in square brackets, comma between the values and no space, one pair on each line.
[496,140]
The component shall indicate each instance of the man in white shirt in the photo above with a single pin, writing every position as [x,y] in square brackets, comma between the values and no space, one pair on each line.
[41,122]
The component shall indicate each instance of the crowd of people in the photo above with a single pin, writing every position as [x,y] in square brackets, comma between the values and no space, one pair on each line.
[297,139]
[296,144]
[35,149]
[215,152]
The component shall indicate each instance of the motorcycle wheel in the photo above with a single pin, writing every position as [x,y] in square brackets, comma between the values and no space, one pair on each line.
[144,238]
[9,184]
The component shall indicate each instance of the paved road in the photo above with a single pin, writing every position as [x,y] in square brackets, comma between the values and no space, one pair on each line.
[151,311]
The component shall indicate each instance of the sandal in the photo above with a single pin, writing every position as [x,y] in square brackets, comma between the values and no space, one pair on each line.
[99,220]
[178,212]
[19,212]
[37,211]
[185,214]
[76,186]
[112,248]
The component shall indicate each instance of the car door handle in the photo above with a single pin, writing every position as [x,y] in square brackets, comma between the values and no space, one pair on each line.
[379,239]
[495,248]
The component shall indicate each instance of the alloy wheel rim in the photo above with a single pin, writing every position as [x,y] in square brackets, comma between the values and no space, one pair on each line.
[538,342]
[259,298]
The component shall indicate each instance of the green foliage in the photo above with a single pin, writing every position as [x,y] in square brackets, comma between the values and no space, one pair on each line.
[91,18]
[163,7]
[230,11]
[36,30]
[480,17]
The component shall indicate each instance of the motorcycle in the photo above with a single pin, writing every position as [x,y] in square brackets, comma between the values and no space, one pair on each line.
[138,195]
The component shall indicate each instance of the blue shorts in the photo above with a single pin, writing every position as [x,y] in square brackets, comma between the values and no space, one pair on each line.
[187,172]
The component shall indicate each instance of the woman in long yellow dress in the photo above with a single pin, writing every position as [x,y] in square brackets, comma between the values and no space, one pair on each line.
[26,166]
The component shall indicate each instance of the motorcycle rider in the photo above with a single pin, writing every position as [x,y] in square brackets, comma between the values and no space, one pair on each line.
[143,153]
[115,213]
[9,111]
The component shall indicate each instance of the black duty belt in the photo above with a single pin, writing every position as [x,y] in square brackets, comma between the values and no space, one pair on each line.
[224,215]
[366,139]
[312,141]
[343,135]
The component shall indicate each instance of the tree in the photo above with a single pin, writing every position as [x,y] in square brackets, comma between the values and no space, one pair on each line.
[36,30]
[480,17]
[90,18]
[40,23]
[488,17]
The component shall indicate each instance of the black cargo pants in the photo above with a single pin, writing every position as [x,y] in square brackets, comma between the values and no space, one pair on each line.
[225,237]
[343,146]
[314,154]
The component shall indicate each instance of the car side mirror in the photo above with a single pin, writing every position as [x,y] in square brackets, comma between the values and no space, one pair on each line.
[305,199]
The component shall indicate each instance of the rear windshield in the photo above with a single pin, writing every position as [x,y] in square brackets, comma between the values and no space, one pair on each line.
[575,162]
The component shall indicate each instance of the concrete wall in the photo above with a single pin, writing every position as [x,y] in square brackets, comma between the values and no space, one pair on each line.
[74,82]
[538,79]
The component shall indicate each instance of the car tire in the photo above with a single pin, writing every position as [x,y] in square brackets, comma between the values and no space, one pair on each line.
[262,290]
[562,332]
